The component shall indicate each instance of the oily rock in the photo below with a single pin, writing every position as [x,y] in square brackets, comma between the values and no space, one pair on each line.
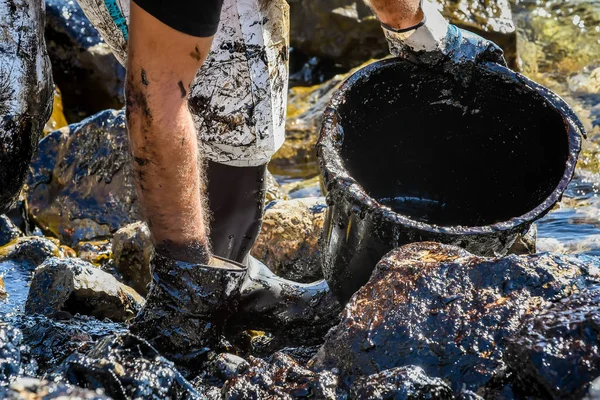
[8,230]
[408,382]
[79,186]
[557,352]
[280,377]
[25,92]
[31,250]
[347,32]
[97,252]
[274,191]
[75,286]
[126,367]
[90,77]
[132,251]
[448,309]
[10,354]
[49,341]
[37,389]
[288,240]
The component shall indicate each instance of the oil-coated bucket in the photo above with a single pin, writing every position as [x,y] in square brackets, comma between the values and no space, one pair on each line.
[468,156]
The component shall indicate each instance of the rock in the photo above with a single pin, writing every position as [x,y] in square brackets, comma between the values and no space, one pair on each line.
[25,92]
[57,119]
[83,66]
[304,188]
[10,354]
[526,243]
[586,83]
[8,230]
[37,389]
[346,31]
[280,378]
[127,367]
[33,250]
[223,367]
[557,352]
[448,309]
[297,157]
[408,382]
[79,186]
[97,252]
[3,292]
[274,190]
[76,286]
[288,240]
[132,251]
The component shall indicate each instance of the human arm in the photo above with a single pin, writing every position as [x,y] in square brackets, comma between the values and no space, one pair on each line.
[427,36]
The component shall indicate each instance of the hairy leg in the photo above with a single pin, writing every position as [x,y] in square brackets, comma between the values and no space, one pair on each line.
[398,14]
[161,65]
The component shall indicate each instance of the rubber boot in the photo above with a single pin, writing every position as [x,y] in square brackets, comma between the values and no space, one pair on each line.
[302,312]
[187,307]
[236,198]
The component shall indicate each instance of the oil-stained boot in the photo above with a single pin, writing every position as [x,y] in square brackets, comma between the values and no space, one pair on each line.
[187,307]
[269,302]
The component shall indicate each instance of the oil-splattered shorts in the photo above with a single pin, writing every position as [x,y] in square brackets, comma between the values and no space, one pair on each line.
[238,98]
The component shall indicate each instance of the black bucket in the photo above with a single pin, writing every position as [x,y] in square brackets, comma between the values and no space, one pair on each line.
[408,153]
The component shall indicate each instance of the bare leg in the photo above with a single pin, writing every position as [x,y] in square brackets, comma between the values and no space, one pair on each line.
[398,14]
[161,65]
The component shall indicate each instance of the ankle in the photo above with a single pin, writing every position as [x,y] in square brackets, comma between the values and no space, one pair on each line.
[195,252]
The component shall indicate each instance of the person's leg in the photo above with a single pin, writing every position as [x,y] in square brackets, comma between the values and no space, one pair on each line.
[161,65]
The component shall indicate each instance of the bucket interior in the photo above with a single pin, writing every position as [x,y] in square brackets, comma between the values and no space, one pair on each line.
[444,152]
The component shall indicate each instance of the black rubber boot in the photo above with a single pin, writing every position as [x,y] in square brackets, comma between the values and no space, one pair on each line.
[236,198]
[187,307]
[300,311]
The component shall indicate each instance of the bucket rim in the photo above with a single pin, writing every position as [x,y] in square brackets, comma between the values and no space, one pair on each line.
[336,176]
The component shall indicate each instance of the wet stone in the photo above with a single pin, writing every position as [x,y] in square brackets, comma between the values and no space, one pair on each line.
[25,93]
[89,75]
[37,389]
[75,286]
[10,354]
[408,382]
[448,309]
[30,250]
[280,377]
[8,230]
[79,185]
[218,370]
[557,352]
[274,190]
[297,156]
[132,251]
[305,188]
[98,252]
[50,341]
[288,240]
[125,367]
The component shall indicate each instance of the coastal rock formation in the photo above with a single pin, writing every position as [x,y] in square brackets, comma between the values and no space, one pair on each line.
[25,91]
[448,309]
[75,286]
[288,240]
[132,251]
[8,230]
[79,186]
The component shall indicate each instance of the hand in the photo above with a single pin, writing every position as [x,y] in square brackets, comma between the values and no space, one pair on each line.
[435,39]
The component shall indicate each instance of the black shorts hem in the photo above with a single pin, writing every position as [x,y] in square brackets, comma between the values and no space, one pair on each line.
[192,17]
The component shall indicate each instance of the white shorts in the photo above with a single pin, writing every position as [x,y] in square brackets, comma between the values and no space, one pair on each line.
[238,98]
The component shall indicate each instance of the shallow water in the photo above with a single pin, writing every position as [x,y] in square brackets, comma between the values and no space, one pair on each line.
[559,46]
[17,277]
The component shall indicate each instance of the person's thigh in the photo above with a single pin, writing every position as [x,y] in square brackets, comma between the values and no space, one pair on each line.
[238,98]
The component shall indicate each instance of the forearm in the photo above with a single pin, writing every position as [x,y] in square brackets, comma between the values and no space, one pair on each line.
[398,14]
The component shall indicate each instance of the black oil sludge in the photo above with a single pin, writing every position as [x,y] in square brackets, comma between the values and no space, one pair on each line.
[468,155]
